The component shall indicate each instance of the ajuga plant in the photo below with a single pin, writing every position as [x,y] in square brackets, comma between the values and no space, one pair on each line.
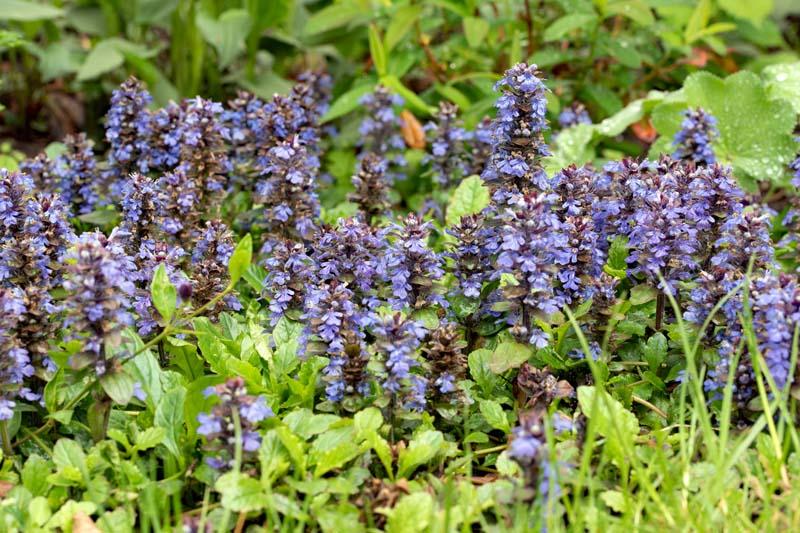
[129,130]
[232,422]
[78,177]
[208,270]
[141,207]
[693,141]
[351,252]
[34,236]
[397,341]
[98,280]
[290,270]
[372,185]
[445,357]
[448,156]
[515,166]
[287,190]
[380,129]
[411,267]
[338,324]
[573,115]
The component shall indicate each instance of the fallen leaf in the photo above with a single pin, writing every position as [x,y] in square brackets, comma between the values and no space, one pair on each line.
[5,487]
[644,131]
[699,57]
[412,130]
[81,523]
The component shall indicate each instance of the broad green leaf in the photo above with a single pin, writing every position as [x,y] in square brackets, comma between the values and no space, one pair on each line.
[34,475]
[347,102]
[618,425]
[153,11]
[164,294]
[572,146]
[755,131]
[20,10]
[411,514]
[118,385]
[568,23]
[158,84]
[333,16]
[103,58]
[241,258]
[170,415]
[469,198]
[370,419]
[783,81]
[67,452]
[655,351]
[226,34]
[753,10]
[402,21]
[294,446]
[494,415]
[480,371]
[509,355]
[421,450]
[475,30]
[241,493]
[377,51]
[336,457]
[150,438]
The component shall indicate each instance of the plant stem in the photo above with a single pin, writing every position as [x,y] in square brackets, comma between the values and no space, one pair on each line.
[8,450]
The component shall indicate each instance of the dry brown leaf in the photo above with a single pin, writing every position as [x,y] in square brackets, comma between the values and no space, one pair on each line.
[644,131]
[412,130]
[81,523]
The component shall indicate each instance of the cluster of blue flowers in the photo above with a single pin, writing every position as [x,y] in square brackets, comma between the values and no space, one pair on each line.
[218,426]
[693,141]
[34,236]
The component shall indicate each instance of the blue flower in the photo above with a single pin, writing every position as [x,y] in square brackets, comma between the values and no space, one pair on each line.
[693,141]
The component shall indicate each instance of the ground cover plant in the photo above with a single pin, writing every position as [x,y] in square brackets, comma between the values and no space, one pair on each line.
[354,305]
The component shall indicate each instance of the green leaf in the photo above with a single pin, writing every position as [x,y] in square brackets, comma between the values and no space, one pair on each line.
[508,355]
[333,16]
[617,264]
[475,30]
[34,475]
[698,21]
[755,131]
[572,146]
[618,425]
[370,419]
[480,371]
[153,11]
[150,438]
[753,10]
[402,21]
[226,34]
[568,23]
[20,10]
[67,452]
[118,385]
[783,81]
[655,351]
[422,449]
[170,415]
[494,415]
[294,446]
[164,294]
[411,514]
[103,58]
[469,198]
[336,457]
[377,51]
[241,258]
[347,102]
[241,493]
